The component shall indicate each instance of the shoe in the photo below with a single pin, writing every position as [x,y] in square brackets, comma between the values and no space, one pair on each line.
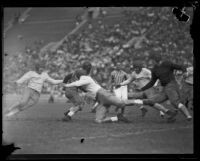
[93,111]
[66,113]
[189,118]
[11,113]
[162,115]
[171,120]
[66,118]
[122,118]
[171,114]
[144,111]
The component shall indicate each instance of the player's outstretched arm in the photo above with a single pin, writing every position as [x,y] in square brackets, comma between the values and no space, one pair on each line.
[81,82]
[128,81]
[24,78]
[151,83]
[53,81]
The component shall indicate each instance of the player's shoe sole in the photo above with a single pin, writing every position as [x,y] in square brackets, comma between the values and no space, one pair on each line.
[93,111]
[172,115]
[144,111]
[162,116]
[66,118]
[123,119]
[11,113]
[66,113]
[189,119]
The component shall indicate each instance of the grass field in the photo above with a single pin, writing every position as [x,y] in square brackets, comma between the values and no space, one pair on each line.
[39,130]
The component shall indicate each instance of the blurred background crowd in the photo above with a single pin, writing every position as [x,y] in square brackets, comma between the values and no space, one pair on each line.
[153,30]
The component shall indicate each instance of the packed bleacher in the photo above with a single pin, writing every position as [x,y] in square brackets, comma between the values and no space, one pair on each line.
[136,36]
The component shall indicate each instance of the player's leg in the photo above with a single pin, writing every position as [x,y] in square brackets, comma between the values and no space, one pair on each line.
[34,99]
[173,94]
[154,102]
[16,107]
[107,99]
[51,99]
[188,92]
[100,116]
[157,100]
[94,107]
[190,100]
[150,93]
[110,99]
[139,95]
[118,93]
[78,103]
[124,96]
[91,102]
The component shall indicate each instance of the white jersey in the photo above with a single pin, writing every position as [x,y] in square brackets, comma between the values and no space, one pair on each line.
[142,78]
[36,81]
[89,84]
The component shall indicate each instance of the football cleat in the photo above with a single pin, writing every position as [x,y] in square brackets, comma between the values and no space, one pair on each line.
[93,111]
[189,118]
[144,111]
[172,115]
[123,119]
[171,120]
[66,113]
[66,118]
[162,115]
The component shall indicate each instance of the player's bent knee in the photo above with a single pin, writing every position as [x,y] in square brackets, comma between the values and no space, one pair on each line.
[149,102]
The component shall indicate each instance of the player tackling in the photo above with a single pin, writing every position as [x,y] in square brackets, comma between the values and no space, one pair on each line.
[35,81]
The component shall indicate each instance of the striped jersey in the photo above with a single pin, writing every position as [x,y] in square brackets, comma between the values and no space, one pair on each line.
[36,81]
[118,77]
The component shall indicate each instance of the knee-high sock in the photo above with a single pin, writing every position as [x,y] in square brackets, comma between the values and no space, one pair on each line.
[95,106]
[14,106]
[13,112]
[133,102]
[160,107]
[73,110]
[184,110]
[110,119]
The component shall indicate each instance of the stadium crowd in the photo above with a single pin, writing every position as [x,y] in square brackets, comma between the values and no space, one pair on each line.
[135,37]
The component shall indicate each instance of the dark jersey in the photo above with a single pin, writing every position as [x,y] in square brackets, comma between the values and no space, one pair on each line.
[164,72]
[69,79]
[72,77]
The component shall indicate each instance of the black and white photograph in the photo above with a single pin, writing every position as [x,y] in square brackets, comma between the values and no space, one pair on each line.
[98,80]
